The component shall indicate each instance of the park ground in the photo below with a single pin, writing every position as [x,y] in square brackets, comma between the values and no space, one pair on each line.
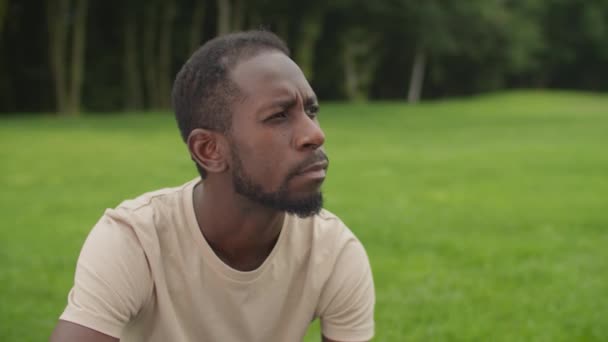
[484,218]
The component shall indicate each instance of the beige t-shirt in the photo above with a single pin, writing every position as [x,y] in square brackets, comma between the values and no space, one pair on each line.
[146,273]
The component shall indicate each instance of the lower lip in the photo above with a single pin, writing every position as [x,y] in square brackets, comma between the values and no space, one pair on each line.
[314,174]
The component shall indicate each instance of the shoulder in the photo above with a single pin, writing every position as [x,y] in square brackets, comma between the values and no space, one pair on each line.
[324,239]
[322,229]
[153,199]
[113,279]
[129,232]
[330,230]
[347,299]
[147,209]
[122,229]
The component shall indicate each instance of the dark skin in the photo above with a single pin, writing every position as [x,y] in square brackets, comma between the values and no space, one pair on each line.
[275,128]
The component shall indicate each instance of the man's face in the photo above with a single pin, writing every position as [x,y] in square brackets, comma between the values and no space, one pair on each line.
[276,142]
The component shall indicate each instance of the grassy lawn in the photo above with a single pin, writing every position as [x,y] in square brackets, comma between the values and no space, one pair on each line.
[484,218]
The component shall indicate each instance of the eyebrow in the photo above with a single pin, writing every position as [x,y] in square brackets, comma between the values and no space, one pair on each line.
[289,102]
[283,103]
[311,100]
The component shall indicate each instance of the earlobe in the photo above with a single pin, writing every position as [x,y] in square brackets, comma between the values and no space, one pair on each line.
[205,149]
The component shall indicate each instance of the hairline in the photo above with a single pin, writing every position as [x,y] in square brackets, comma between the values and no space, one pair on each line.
[242,95]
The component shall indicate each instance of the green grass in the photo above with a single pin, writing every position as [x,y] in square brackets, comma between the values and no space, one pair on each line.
[484,218]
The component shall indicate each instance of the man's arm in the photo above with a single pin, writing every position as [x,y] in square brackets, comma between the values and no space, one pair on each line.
[112,283]
[71,332]
[346,308]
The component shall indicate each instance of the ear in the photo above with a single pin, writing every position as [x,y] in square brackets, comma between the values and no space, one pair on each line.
[207,150]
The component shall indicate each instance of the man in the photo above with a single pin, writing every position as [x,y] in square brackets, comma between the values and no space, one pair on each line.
[245,255]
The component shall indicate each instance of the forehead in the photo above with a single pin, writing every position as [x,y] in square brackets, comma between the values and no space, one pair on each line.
[268,75]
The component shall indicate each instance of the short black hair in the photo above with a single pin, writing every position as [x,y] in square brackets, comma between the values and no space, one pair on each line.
[203,91]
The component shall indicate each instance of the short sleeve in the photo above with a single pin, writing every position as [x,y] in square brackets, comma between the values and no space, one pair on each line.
[112,281]
[347,302]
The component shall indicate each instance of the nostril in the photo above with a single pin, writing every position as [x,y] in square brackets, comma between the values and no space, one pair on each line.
[312,146]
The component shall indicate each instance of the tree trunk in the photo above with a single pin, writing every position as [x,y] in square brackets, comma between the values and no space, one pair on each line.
[133,99]
[7,96]
[149,56]
[78,60]
[417,78]
[238,16]
[3,10]
[351,82]
[156,51]
[255,20]
[282,28]
[224,13]
[58,30]
[196,27]
[164,55]
[310,30]
[359,62]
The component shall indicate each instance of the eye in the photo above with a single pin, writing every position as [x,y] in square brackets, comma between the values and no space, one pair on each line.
[280,116]
[312,111]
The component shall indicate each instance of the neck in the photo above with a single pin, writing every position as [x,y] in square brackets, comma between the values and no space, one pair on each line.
[240,232]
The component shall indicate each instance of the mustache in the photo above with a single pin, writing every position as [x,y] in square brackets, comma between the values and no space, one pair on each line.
[318,156]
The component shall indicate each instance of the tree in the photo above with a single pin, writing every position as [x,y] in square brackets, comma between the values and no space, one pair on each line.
[157,44]
[347,48]
[196,26]
[576,53]
[432,34]
[63,15]
[133,91]
[310,29]
[3,10]
[439,33]
[230,16]
[360,47]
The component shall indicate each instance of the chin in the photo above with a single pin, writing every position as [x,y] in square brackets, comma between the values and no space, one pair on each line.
[304,206]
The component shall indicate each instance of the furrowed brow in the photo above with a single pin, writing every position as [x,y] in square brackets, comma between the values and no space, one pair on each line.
[310,101]
[284,103]
[279,103]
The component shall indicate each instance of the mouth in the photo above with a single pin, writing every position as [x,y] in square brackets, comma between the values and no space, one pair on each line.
[315,171]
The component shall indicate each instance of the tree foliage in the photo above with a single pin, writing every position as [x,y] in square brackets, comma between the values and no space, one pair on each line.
[110,56]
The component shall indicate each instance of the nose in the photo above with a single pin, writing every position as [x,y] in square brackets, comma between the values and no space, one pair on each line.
[309,134]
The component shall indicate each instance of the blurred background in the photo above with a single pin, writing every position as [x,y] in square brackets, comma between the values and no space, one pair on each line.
[97,56]
[468,144]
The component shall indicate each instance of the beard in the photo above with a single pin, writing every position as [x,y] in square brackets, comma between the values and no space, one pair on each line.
[280,199]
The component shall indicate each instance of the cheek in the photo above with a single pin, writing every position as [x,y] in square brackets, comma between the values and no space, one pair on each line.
[265,157]
[263,163]
[271,167]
